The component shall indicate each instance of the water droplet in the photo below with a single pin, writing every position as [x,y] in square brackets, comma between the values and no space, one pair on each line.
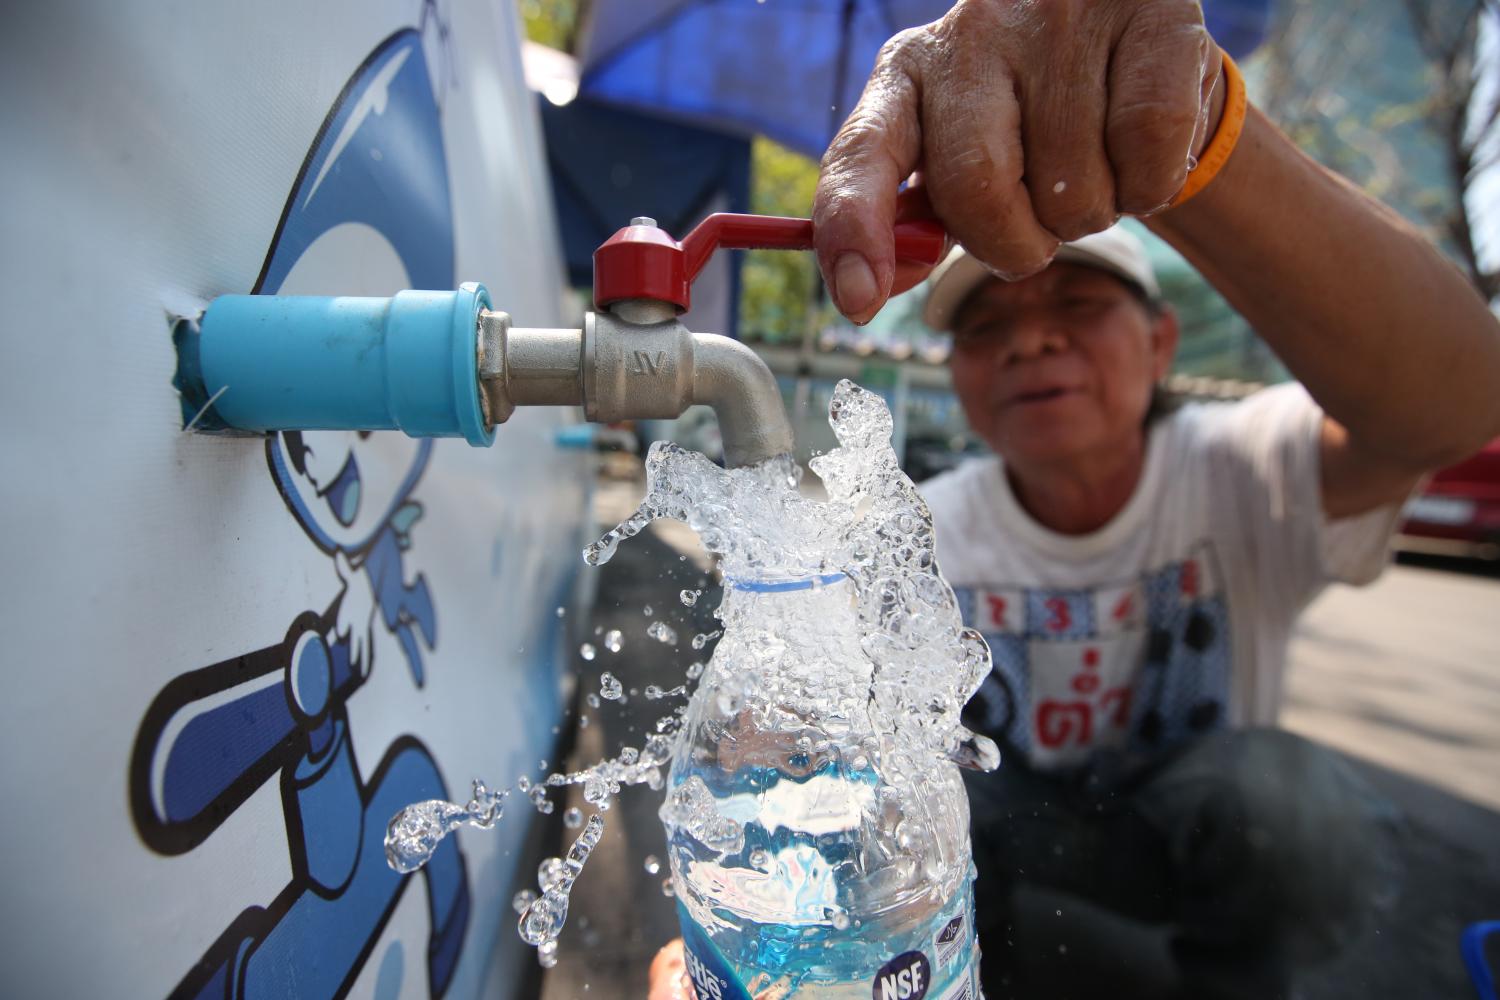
[573,818]
[546,954]
[653,692]
[695,670]
[610,687]
[593,701]
[647,611]
[561,611]
[587,651]
[551,873]
[838,916]
[689,597]
[613,640]
[522,899]
[662,632]
[703,638]
[666,887]
[652,864]
[415,832]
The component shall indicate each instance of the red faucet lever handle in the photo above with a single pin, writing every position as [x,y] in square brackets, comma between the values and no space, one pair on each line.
[643,262]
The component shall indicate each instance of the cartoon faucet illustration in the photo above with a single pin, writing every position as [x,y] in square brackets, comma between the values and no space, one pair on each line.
[215,735]
[449,364]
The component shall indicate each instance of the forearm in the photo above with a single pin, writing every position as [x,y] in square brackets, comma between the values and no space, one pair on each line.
[1387,335]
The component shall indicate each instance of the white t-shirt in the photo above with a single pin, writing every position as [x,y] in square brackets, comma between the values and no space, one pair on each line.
[1173,618]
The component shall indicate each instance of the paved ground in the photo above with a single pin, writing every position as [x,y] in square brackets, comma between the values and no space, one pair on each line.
[1404,677]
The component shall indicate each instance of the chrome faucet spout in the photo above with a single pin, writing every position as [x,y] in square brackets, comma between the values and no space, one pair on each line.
[732,379]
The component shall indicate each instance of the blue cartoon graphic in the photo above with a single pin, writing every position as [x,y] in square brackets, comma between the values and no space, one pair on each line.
[375,175]
[1140,664]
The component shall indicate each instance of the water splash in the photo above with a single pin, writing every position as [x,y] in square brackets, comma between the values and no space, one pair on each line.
[415,832]
[921,665]
[918,664]
[543,920]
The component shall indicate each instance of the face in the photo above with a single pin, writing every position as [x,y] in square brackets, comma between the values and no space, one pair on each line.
[347,485]
[1059,366]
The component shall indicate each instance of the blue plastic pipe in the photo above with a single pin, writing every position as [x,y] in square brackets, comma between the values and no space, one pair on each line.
[406,363]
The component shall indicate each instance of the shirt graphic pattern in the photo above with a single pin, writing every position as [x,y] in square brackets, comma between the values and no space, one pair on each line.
[1136,664]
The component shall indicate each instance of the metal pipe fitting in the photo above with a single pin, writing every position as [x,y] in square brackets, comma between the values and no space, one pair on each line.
[733,379]
[523,366]
[635,361]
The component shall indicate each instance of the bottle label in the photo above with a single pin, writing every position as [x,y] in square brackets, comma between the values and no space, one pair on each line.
[711,975]
[939,963]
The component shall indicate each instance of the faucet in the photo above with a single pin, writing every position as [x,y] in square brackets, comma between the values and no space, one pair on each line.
[448,364]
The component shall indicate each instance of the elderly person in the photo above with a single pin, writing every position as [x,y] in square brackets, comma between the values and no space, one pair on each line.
[1137,571]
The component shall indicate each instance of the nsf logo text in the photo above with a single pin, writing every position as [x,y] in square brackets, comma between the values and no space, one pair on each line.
[905,977]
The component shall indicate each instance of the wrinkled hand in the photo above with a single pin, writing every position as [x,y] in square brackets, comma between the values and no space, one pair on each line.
[356,615]
[669,979]
[1027,124]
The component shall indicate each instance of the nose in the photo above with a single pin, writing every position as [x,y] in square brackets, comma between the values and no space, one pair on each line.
[1033,335]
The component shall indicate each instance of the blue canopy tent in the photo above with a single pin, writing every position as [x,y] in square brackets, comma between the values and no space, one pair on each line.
[788,69]
[610,164]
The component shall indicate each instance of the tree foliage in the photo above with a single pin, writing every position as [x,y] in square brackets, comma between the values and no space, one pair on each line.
[781,293]
[1389,94]
[553,23]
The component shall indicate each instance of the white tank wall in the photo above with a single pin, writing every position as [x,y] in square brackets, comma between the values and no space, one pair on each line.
[150,150]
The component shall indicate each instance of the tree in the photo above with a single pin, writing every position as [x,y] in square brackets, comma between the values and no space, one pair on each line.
[1392,94]
[554,23]
[1466,107]
[781,294]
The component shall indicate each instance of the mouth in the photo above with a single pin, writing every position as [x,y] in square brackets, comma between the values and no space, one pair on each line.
[1047,395]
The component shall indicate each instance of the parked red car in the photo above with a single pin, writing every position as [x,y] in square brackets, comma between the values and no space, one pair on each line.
[1459,511]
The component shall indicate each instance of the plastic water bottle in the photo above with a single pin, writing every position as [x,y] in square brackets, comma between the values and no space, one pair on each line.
[813,852]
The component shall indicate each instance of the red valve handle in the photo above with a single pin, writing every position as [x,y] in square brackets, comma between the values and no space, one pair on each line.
[643,262]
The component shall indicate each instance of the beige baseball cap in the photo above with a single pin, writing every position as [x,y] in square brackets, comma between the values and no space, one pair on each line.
[1116,250]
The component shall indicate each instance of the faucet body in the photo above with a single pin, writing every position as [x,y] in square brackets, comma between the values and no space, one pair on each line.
[635,361]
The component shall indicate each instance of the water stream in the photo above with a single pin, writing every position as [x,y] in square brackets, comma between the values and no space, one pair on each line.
[919,664]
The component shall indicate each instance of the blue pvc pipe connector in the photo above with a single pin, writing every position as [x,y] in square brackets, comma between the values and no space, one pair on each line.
[294,362]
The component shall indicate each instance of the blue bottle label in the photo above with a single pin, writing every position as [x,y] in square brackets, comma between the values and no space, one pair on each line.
[939,963]
[711,975]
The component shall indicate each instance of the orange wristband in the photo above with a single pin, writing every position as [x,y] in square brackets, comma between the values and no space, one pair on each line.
[1231,124]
